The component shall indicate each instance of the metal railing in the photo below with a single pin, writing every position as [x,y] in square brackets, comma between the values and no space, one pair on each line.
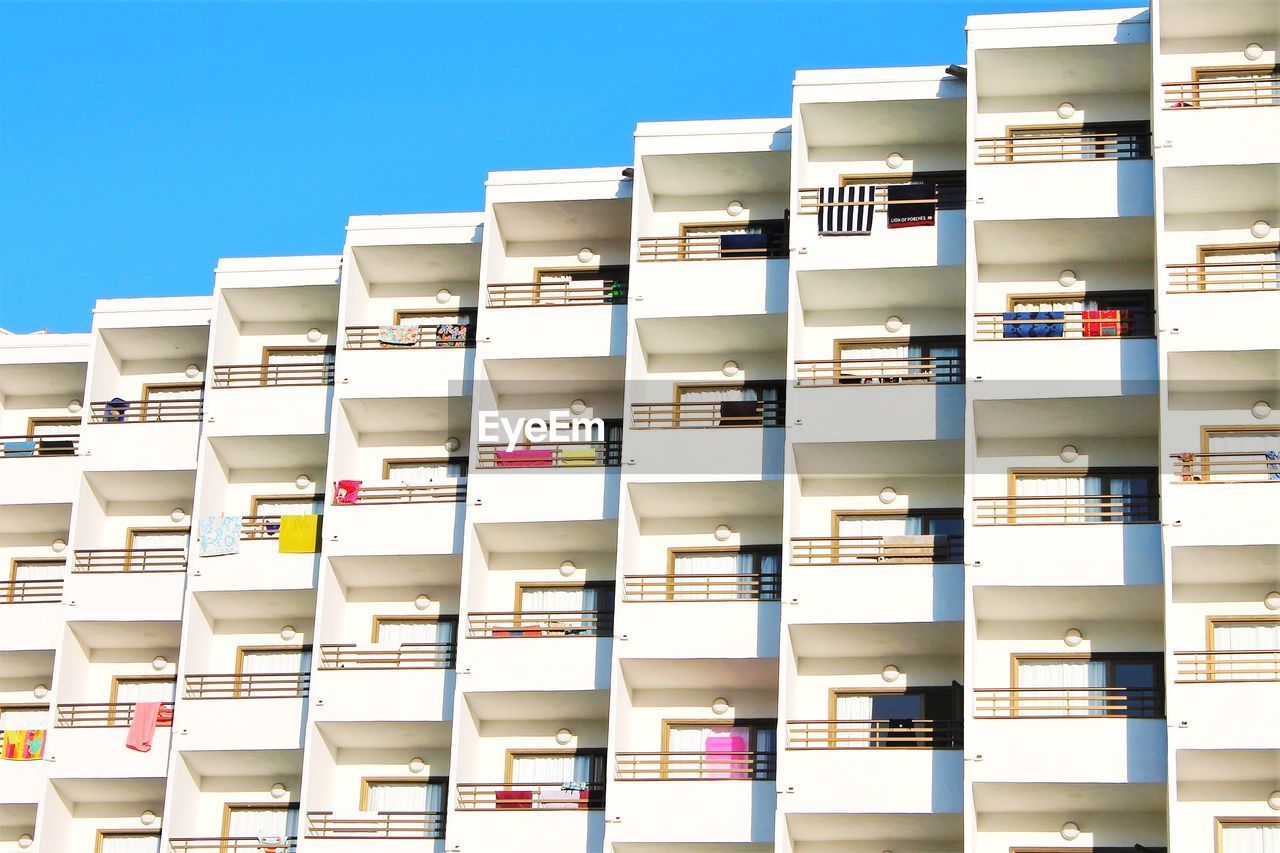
[1259,91]
[1234,665]
[103,715]
[366,337]
[541,623]
[874,550]
[271,375]
[680,766]
[885,734]
[379,825]
[1064,509]
[31,591]
[711,247]
[561,454]
[424,494]
[146,411]
[1065,147]
[1054,702]
[1224,277]
[556,294]
[687,587]
[474,796]
[248,685]
[24,446]
[753,413]
[225,843]
[264,526]
[1228,467]
[930,370]
[949,196]
[406,656]
[1072,325]
[130,560]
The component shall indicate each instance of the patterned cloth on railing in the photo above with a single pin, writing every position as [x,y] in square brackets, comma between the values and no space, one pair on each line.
[346,492]
[397,336]
[1273,469]
[1102,324]
[1029,324]
[220,535]
[531,458]
[23,745]
[451,335]
[1189,474]
[846,210]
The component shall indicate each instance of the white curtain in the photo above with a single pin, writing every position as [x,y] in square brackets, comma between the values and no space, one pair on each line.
[853,708]
[421,473]
[316,356]
[426,318]
[1212,96]
[717,395]
[1246,637]
[552,769]
[37,570]
[287,660]
[1052,512]
[1250,838]
[559,599]
[184,392]
[1245,442]
[263,823]
[130,843]
[54,428]
[144,690]
[291,506]
[1065,674]
[24,719]
[397,632]
[404,797]
[877,526]
[159,539]
[713,563]
[868,372]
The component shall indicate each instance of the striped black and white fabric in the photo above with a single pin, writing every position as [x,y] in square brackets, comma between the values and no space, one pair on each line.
[838,216]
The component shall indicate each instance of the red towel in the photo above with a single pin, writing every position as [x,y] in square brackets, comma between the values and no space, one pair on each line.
[1101,324]
[142,729]
[513,799]
[524,458]
[346,492]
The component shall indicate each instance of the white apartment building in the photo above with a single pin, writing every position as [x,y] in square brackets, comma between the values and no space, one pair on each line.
[931,502]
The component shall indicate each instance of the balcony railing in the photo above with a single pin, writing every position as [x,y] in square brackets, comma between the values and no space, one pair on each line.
[263,527]
[557,294]
[707,415]
[1224,277]
[228,843]
[146,411]
[1065,147]
[772,243]
[683,587]
[1259,91]
[541,623]
[875,550]
[680,766]
[406,656]
[1234,665]
[1072,325]
[379,825]
[25,446]
[862,734]
[920,370]
[1236,467]
[130,560]
[272,375]
[1064,509]
[474,796]
[31,591]
[248,685]
[432,493]
[427,337]
[562,454]
[84,715]
[1055,702]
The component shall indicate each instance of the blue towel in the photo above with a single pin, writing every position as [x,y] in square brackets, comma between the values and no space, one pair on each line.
[757,240]
[115,409]
[19,448]
[1047,330]
[1273,470]
[1013,329]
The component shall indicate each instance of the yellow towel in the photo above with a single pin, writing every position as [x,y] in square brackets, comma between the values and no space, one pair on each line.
[578,457]
[299,534]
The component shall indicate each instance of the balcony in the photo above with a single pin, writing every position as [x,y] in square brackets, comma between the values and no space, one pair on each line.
[1066,509]
[759,240]
[560,294]
[1228,467]
[1224,277]
[1217,666]
[104,715]
[405,656]
[409,336]
[1068,325]
[696,766]
[473,796]
[273,375]
[47,591]
[1064,703]
[383,825]
[736,414]
[114,560]
[41,446]
[540,623]
[876,550]
[1122,141]
[872,734]
[117,411]
[751,586]
[921,370]
[222,843]
[245,685]
[562,454]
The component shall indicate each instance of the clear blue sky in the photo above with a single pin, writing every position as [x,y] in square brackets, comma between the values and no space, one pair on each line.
[140,142]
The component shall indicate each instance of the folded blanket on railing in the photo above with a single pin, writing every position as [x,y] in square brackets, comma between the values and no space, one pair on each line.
[397,336]
[910,547]
[1101,324]
[578,457]
[563,797]
[1029,324]
[299,534]
[220,535]
[346,492]
[530,458]
[513,799]
[903,214]
[22,745]
[19,448]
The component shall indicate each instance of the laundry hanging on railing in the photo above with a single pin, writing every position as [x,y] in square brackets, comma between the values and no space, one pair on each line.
[399,335]
[346,492]
[142,728]
[844,211]
[299,534]
[220,535]
[22,745]
[19,448]
[451,334]
[903,213]
[115,410]
[1103,324]
[1031,324]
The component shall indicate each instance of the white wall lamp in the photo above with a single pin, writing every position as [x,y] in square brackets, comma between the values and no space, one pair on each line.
[314,334]
[302,481]
[1253,52]
[451,444]
[1273,800]
[1271,600]
[585,254]
[1069,453]
[422,602]
[1260,229]
[578,406]
[278,790]
[443,295]
[719,706]
[722,532]
[564,737]
[1073,637]
[734,208]
[192,371]
[417,765]
[1066,109]
[1070,831]
[1067,278]
[288,632]
[25,840]
[159,662]
[177,515]
[74,406]
[890,673]
[40,691]
[888,495]
[567,568]
[59,545]
[730,368]
[147,818]
[893,323]
[1260,409]
[894,161]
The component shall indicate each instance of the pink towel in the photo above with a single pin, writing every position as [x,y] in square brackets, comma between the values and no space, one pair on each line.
[346,492]
[731,766]
[142,729]
[524,458]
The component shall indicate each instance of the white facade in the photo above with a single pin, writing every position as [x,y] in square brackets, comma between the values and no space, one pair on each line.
[931,508]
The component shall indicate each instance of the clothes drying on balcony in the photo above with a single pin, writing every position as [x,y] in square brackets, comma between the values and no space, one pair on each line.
[19,448]
[739,412]
[740,244]
[299,534]
[220,535]
[142,728]
[845,211]
[451,334]
[578,456]
[115,410]
[346,492]
[1103,324]
[400,335]
[527,458]
[1032,324]
[22,745]
[904,214]
[1273,465]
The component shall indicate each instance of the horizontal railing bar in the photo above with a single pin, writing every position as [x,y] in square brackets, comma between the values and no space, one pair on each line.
[427,493]
[101,714]
[42,591]
[558,454]
[901,734]
[265,375]
[406,656]
[859,550]
[130,560]
[704,415]
[45,444]
[753,586]
[248,685]
[678,766]
[144,411]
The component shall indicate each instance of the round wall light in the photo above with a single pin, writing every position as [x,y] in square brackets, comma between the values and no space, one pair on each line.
[177,514]
[719,706]
[1273,800]
[278,790]
[452,443]
[730,368]
[443,295]
[1067,278]
[1069,453]
[1066,109]
[25,841]
[40,691]
[1073,637]
[894,160]
[314,334]
[1260,229]
[1253,52]
[723,532]
[564,737]
[890,673]
[888,495]
[422,602]
[74,406]
[302,481]
[59,545]
[192,371]
[148,817]
[893,323]
[1271,600]
[568,567]
[585,254]
[159,662]
[417,765]
[1070,831]
[578,406]
[288,632]
[1260,409]
[734,208]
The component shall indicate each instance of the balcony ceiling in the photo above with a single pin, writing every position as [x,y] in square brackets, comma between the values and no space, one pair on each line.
[189,343]
[26,665]
[726,674]
[566,378]
[1252,189]
[1228,765]
[281,305]
[923,832]
[721,336]
[370,416]
[1067,418]
[237,764]
[840,460]
[573,219]
[1198,20]
[654,501]
[887,124]
[895,288]
[272,604]
[1252,371]
[548,537]
[271,451]
[1220,564]
[17,819]
[548,705]
[146,793]
[1046,798]
[39,522]
[727,173]
[863,640]
[1077,604]
[366,735]
[143,486]
[147,638]
[430,264]
[1063,241]
[1045,73]
[361,573]
[57,379]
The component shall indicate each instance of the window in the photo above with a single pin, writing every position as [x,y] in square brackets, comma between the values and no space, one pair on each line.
[552,285]
[736,240]
[273,659]
[128,841]
[287,505]
[54,436]
[718,750]
[24,717]
[452,327]
[421,472]
[1097,141]
[155,537]
[1134,682]
[950,184]
[921,522]
[401,795]
[254,820]
[128,689]
[555,766]
[1119,495]
[1239,635]
[1245,454]
[406,630]
[158,394]
[695,562]
[719,404]
[297,355]
[894,714]
[893,360]
[1248,835]
[1247,86]
[36,570]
